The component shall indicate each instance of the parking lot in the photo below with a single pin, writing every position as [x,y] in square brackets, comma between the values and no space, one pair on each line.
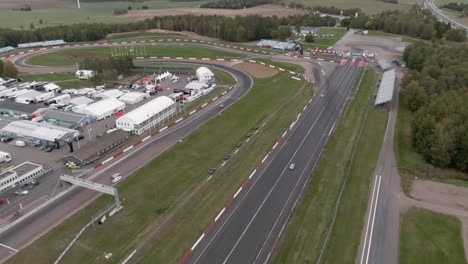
[49,184]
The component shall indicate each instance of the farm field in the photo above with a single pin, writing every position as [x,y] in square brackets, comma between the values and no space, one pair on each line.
[305,234]
[158,196]
[71,56]
[70,14]
[368,6]
[430,238]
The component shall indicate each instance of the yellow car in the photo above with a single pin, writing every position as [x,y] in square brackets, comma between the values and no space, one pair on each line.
[73,166]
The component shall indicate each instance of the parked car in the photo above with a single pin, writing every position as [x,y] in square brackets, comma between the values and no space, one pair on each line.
[238,145]
[212,171]
[22,192]
[256,127]
[227,156]
[248,135]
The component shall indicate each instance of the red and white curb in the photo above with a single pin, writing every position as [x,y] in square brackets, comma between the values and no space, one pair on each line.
[242,187]
[161,130]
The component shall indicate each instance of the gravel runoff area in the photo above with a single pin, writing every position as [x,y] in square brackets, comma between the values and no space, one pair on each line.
[442,198]
[264,10]
[256,70]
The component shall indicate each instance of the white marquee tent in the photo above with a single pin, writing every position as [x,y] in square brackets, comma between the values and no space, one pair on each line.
[147,116]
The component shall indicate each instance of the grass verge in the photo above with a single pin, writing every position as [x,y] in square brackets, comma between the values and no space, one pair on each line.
[305,234]
[223,77]
[284,65]
[410,163]
[65,80]
[157,191]
[430,238]
[326,42]
[71,56]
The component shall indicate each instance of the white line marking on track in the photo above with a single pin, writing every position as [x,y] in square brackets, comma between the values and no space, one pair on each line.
[10,248]
[146,138]
[373,219]
[371,214]
[162,129]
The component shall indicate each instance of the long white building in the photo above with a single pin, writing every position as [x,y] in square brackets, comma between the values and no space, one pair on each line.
[147,116]
[20,175]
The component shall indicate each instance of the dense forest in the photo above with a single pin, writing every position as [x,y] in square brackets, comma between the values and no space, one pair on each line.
[436,89]
[416,22]
[236,4]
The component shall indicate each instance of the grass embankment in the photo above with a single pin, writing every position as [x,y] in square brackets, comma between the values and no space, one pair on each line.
[412,164]
[325,42]
[430,238]
[284,65]
[71,56]
[305,234]
[223,77]
[68,13]
[136,36]
[158,190]
[65,80]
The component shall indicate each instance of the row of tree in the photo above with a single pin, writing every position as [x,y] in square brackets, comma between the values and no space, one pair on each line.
[236,4]
[436,89]
[416,22]
[227,28]
[109,68]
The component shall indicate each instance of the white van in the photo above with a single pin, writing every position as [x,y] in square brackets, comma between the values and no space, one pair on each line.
[45,96]
[20,143]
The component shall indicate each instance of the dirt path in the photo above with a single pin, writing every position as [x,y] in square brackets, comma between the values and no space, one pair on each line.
[441,198]
[256,70]
[264,10]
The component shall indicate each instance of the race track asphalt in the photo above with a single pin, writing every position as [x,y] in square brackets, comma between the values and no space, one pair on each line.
[33,227]
[248,231]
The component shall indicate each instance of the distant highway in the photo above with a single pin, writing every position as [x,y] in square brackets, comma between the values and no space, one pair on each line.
[249,229]
[440,14]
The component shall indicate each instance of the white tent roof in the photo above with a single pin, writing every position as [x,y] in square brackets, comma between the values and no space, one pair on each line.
[112,93]
[152,108]
[103,106]
[51,86]
[132,97]
[81,100]
[38,130]
[30,94]
[387,84]
[202,71]
[195,85]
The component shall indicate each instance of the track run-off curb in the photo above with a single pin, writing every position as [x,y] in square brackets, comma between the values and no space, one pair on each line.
[155,42]
[243,186]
